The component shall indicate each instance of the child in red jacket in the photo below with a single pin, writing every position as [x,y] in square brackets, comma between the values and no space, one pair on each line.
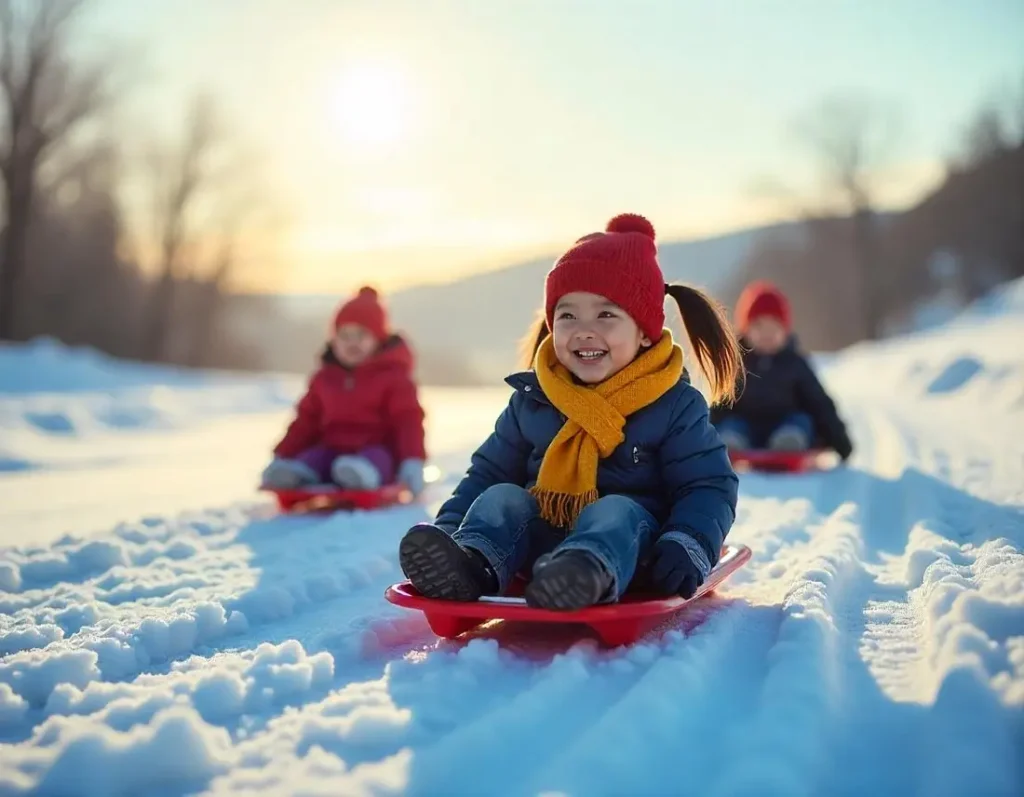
[360,423]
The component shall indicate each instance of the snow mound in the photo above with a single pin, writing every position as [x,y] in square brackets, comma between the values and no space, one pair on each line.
[974,361]
[68,389]
[260,653]
[1006,300]
[52,395]
[874,644]
[88,759]
[48,366]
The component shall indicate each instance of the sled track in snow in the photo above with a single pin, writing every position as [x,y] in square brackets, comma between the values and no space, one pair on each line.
[873,623]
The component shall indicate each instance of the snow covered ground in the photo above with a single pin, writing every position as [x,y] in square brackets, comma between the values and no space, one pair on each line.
[163,631]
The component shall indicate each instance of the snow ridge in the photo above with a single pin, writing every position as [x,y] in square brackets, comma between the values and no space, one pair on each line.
[874,644]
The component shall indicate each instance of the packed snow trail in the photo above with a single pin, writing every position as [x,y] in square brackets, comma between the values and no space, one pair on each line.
[874,644]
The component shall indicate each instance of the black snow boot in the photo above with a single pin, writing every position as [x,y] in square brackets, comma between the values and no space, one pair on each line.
[438,567]
[567,582]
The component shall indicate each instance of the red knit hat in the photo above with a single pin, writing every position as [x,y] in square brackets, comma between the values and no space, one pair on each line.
[762,298]
[366,310]
[620,264]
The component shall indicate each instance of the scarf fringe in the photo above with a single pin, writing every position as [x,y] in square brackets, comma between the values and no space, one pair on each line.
[561,509]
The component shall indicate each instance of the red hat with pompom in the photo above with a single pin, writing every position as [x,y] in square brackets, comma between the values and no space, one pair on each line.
[761,298]
[620,264]
[365,309]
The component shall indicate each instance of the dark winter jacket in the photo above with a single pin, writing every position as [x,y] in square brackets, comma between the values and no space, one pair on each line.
[349,409]
[781,384]
[672,461]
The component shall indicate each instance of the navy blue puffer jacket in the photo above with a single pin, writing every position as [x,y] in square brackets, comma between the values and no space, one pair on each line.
[672,461]
[780,384]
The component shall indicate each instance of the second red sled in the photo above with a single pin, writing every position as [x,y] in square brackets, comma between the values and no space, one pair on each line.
[330,498]
[778,461]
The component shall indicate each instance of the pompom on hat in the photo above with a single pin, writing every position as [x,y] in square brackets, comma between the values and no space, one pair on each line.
[365,309]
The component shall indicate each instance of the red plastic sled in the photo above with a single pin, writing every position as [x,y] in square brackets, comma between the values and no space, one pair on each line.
[616,624]
[777,461]
[329,498]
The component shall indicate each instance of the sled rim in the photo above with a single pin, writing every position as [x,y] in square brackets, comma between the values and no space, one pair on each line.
[326,497]
[630,607]
[767,459]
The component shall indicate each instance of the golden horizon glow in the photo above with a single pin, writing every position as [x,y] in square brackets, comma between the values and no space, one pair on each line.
[426,144]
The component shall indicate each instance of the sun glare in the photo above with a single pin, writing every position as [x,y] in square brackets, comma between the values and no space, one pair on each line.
[370,105]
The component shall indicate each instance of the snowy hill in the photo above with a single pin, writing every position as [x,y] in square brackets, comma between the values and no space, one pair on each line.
[164,631]
[497,306]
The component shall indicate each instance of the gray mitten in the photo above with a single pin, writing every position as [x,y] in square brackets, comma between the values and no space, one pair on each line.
[355,473]
[287,474]
[410,473]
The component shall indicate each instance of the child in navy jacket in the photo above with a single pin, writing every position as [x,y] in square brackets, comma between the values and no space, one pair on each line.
[603,469]
[783,406]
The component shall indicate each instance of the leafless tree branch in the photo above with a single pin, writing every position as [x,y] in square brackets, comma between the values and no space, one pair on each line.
[851,137]
[44,98]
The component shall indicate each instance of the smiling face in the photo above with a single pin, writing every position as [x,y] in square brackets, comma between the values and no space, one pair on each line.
[593,337]
[352,344]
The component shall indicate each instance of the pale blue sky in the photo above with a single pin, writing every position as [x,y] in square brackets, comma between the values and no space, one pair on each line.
[520,124]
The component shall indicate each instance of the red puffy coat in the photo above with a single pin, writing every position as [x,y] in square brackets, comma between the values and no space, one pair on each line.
[349,409]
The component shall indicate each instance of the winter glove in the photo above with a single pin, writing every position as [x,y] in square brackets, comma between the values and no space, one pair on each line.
[679,565]
[410,473]
[287,474]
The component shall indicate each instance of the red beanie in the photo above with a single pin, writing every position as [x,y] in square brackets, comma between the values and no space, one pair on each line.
[762,298]
[620,264]
[366,310]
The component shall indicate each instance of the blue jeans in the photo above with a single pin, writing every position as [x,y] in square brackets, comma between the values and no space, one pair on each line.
[758,437]
[505,525]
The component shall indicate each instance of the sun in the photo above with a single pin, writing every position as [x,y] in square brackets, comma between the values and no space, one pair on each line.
[370,105]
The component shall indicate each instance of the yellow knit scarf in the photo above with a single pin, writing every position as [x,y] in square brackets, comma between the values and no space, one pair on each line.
[597,414]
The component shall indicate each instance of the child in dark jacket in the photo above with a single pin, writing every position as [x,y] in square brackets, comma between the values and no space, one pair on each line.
[783,406]
[360,424]
[603,469]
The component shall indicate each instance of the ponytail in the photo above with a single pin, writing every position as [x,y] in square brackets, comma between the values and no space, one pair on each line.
[531,341]
[716,347]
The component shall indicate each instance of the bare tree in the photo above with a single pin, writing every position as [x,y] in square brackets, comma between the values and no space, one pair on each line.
[995,129]
[983,216]
[851,137]
[855,274]
[44,98]
[986,137]
[79,286]
[204,194]
[180,175]
[205,307]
